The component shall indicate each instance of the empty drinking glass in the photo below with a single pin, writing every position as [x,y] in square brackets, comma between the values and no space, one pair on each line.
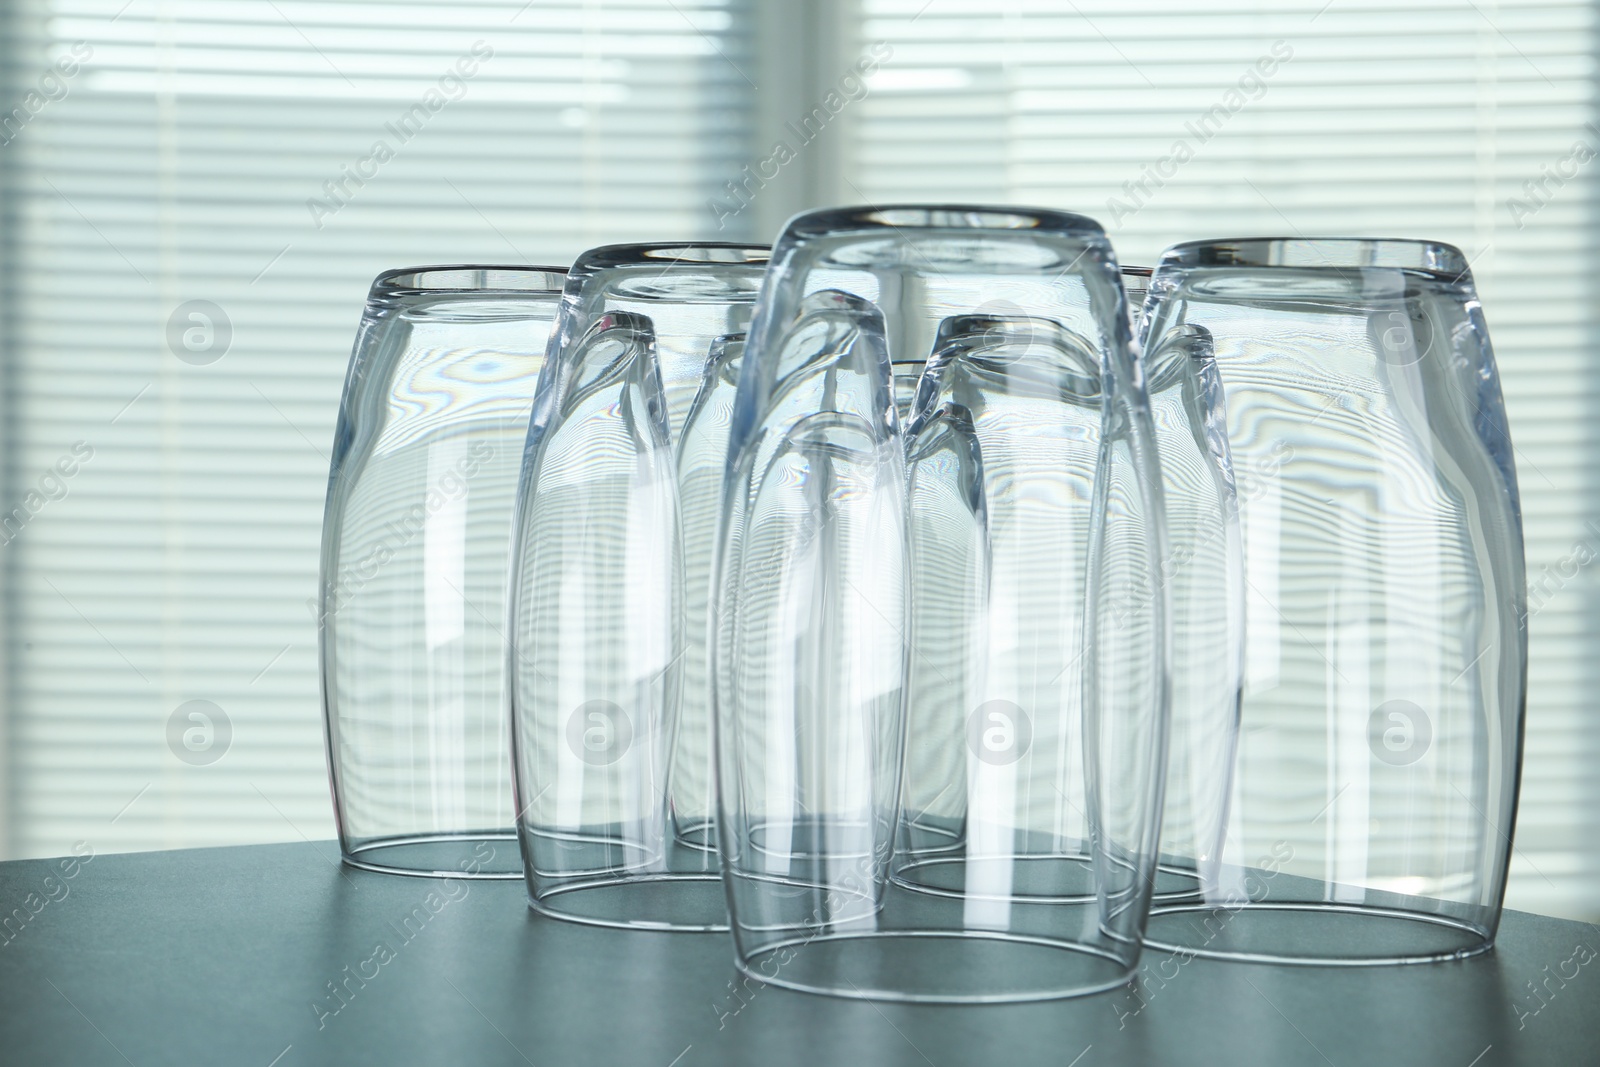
[418,518]
[1203,572]
[1370,813]
[940,646]
[702,463]
[610,718]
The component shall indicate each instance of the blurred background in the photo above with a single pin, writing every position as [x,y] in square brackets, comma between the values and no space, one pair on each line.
[195,194]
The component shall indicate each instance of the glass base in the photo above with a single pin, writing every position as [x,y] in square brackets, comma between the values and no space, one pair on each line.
[482,854]
[701,834]
[687,902]
[1061,879]
[1175,884]
[1034,879]
[936,968]
[1313,934]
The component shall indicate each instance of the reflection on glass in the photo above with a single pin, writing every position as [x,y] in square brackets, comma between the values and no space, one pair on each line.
[610,718]
[420,496]
[1385,649]
[1005,443]
[939,655]
[1204,573]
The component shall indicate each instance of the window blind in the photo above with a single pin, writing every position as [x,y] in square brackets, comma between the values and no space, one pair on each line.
[194,215]
[1171,120]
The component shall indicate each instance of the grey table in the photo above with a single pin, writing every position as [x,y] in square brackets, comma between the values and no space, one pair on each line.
[230,955]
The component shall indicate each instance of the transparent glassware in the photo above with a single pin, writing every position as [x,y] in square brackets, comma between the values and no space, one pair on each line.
[702,456]
[940,648]
[1136,284]
[414,551]
[1204,574]
[1385,651]
[1203,571]
[611,720]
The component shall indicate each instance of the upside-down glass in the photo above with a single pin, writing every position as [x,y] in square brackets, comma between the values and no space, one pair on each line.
[611,717]
[1203,572]
[939,656]
[414,539]
[1377,771]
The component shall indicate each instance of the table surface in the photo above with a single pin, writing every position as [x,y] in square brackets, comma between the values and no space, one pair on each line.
[226,956]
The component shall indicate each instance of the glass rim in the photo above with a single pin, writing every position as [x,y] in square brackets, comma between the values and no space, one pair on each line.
[1321,253]
[671,254]
[465,278]
[941,217]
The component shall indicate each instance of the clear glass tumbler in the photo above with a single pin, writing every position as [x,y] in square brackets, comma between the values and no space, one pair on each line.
[1204,574]
[1371,806]
[611,716]
[414,550]
[702,455]
[940,647]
